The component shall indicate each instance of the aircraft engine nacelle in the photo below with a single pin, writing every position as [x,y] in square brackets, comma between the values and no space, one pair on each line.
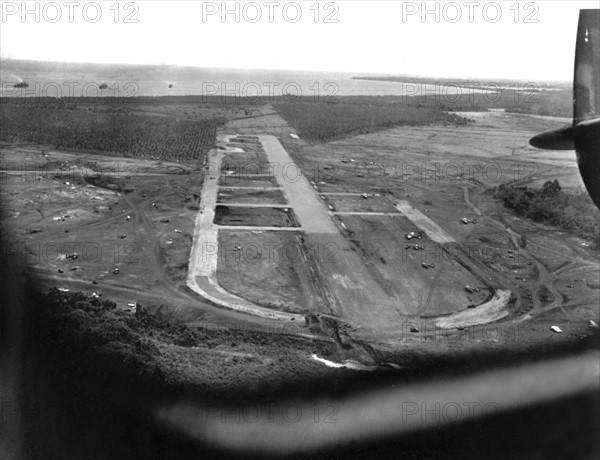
[583,135]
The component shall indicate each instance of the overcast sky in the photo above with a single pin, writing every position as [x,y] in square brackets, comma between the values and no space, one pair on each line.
[505,39]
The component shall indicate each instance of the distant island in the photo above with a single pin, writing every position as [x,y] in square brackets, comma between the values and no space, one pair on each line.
[476,83]
[21,85]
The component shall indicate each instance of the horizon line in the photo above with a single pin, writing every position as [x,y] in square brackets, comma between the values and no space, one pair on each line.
[358,74]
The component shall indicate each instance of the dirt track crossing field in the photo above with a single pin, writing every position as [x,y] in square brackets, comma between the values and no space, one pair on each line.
[335,274]
[433,230]
[354,263]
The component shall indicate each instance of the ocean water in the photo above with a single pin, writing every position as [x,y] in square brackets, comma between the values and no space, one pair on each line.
[68,80]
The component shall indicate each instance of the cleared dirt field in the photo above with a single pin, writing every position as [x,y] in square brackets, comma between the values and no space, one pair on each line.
[348,261]
[442,173]
[358,203]
[98,223]
[268,268]
[379,187]
[235,180]
[245,157]
[397,266]
[255,216]
[245,196]
[265,120]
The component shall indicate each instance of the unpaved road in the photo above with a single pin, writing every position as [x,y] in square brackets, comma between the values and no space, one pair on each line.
[433,230]
[202,268]
[351,292]
[354,294]
[310,211]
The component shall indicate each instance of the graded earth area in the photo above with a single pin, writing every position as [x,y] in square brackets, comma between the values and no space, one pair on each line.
[422,234]
[380,239]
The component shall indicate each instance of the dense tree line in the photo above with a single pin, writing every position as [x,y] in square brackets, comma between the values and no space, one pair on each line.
[550,205]
[134,135]
[321,121]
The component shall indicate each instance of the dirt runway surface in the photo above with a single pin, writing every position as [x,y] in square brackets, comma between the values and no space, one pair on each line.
[356,202]
[342,282]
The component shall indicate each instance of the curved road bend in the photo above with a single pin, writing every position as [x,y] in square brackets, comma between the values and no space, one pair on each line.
[202,270]
[356,296]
